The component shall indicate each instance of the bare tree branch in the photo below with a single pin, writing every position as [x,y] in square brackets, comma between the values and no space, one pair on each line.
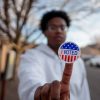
[37,37]
[12,28]
[15,7]
[20,17]
[5,32]
[7,18]
[2,29]
[19,28]
[22,7]
[64,4]
[6,7]
[27,12]
[2,18]
[34,30]
[32,34]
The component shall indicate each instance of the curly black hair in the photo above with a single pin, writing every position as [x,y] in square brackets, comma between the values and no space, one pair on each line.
[51,14]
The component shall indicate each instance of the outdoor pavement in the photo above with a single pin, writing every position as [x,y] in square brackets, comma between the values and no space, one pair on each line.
[93,74]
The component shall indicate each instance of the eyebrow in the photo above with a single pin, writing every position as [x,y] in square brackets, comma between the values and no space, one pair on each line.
[56,25]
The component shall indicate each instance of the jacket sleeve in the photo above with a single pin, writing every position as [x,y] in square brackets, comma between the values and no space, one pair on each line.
[79,89]
[30,75]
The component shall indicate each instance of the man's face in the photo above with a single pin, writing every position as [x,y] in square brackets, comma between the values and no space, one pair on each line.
[56,31]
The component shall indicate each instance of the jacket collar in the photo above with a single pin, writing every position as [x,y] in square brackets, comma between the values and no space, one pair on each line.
[47,50]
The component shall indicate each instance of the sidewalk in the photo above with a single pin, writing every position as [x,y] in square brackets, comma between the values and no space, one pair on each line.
[11,90]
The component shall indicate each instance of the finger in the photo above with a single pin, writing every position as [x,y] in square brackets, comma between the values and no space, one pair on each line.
[69,95]
[64,97]
[64,89]
[65,81]
[55,90]
[67,73]
[45,92]
[37,95]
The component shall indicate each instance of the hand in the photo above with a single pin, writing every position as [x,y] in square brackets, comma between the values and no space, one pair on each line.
[56,90]
[49,91]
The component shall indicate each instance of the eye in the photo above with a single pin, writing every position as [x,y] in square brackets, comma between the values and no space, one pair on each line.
[51,28]
[63,28]
[55,28]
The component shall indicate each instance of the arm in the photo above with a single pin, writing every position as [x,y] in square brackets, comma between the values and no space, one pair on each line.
[56,90]
[32,81]
[30,75]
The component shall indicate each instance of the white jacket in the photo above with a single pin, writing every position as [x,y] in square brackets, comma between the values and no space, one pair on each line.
[41,65]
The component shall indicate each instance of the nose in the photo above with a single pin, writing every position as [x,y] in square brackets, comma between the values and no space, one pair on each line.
[58,30]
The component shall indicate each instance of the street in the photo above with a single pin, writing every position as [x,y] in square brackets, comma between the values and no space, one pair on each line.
[93,74]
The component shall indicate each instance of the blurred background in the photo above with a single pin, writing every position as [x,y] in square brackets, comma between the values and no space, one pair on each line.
[19,31]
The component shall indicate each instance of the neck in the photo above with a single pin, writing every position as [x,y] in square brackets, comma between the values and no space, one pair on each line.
[54,48]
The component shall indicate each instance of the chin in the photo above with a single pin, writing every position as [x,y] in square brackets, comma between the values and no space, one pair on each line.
[58,44]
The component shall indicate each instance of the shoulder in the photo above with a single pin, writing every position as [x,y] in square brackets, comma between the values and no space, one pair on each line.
[29,61]
[79,62]
[31,53]
[79,66]
[82,66]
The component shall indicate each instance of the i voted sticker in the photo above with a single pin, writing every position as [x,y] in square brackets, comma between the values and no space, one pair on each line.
[69,52]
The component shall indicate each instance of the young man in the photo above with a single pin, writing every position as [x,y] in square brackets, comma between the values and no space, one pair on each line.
[42,75]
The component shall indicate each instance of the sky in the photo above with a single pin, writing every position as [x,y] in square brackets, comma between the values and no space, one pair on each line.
[84,31]
[85,16]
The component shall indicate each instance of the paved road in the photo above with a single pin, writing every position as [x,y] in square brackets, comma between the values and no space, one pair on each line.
[93,75]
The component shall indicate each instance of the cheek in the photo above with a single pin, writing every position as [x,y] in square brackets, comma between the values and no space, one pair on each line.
[51,38]
[50,35]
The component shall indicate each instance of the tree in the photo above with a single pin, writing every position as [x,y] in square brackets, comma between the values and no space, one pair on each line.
[17,23]
[15,17]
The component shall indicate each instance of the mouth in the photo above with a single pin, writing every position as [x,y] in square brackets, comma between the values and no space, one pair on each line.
[59,37]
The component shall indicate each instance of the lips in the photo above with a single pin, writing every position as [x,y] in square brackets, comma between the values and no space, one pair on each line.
[59,37]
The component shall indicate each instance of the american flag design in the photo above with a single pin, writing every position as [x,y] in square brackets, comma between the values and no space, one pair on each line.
[69,52]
